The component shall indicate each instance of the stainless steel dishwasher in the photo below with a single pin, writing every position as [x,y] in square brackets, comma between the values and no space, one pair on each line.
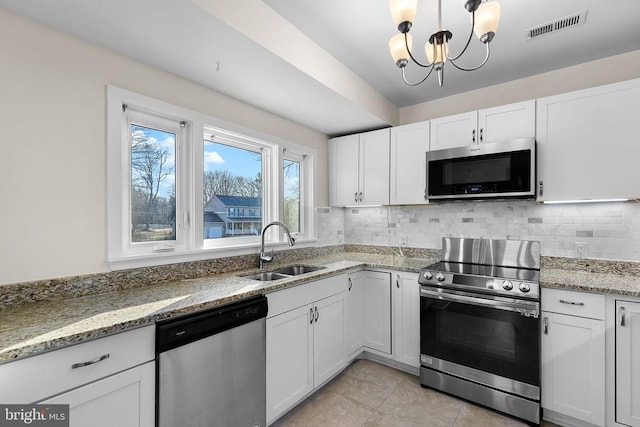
[211,367]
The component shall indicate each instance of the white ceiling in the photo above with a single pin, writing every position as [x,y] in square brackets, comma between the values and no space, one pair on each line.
[191,41]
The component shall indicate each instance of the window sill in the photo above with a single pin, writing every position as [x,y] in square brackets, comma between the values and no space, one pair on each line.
[164,258]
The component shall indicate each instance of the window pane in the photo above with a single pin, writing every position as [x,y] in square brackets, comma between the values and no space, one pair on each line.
[292,195]
[153,184]
[232,191]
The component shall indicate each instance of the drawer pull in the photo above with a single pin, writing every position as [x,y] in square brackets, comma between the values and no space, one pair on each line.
[622,316]
[90,362]
[571,302]
[546,326]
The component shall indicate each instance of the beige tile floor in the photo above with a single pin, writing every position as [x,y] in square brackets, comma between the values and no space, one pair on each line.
[369,394]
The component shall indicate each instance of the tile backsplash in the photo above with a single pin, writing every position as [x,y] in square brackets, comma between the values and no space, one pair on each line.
[609,230]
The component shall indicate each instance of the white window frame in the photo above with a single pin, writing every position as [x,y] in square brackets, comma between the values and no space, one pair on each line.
[190,244]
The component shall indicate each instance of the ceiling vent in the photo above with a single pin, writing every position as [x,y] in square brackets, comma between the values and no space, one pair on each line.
[557,25]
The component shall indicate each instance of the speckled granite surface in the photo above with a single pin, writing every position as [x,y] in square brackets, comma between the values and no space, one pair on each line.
[29,329]
[61,312]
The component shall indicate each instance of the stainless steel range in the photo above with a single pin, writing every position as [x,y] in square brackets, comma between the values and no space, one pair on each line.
[479,324]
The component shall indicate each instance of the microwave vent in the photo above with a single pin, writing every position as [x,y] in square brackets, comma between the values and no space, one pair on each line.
[556,25]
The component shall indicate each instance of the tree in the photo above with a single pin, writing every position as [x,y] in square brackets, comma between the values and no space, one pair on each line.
[149,169]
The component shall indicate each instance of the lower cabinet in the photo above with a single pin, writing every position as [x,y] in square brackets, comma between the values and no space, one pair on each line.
[126,399]
[354,317]
[627,355]
[106,382]
[305,344]
[376,311]
[406,312]
[573,355]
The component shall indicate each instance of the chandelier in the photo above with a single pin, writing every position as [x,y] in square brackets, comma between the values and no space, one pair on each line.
[484,23]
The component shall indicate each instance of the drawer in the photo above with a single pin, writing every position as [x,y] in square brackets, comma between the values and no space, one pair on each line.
[45,375]
[297,296]
[574,303]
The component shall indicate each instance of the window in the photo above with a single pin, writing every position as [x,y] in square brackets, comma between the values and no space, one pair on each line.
[184,186]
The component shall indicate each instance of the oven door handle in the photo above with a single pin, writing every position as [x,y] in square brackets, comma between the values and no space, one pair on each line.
[525,308]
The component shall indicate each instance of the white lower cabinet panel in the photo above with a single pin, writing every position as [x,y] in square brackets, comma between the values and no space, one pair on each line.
[628,363]
[406,312]
[329,355]
[377,311]
[126,399]
[354,332]
[573,366]
[289,359]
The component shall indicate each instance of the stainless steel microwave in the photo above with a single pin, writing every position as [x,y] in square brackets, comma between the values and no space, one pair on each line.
[494,170]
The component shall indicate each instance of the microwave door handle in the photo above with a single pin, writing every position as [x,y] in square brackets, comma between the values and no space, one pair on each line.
[524,308]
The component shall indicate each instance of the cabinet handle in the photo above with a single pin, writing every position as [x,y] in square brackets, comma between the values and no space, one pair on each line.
[360,197]
[546,326]
[561,301]
[90,362]
[540,188]
[398,281]
[350,283]
[623,313]
[425,194]
[311,313]
[473,136]
[481,136]
[317,314]
[355,196]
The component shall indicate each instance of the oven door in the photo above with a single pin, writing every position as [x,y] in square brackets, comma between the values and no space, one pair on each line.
[494,341]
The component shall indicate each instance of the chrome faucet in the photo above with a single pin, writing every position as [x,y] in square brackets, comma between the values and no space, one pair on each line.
[264,258]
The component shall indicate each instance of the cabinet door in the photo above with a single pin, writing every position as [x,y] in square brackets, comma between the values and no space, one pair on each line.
[627,357]
[377,311]
[454,131]
[507,122]
[289,359]
[328,335]
[344,158]
[573,366]
[374,165]
[354,320]
[406,312]
[409,146]
[126,399]
[586,148]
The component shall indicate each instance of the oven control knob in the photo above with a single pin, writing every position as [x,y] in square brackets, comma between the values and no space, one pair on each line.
[507,285]
[524,287]
[440,277]
[427,275]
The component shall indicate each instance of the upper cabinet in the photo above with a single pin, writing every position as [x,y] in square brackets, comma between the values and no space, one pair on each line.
[359,169]
[409,146]
[496,124]
[587,144]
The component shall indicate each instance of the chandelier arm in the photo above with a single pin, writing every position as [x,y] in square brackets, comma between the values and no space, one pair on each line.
[406,43]
[416,84]
[486,58]
[473,24]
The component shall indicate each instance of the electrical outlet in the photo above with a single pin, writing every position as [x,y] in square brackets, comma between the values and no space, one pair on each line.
[581,250]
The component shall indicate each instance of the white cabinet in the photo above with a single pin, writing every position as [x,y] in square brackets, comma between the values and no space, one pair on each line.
[305,341]
[109,381]
[627,357]
[406,312]
[377,311]
[496,124]
[573,355]
[124,399]
[354,318]
[587,146]
[359,169]
[409,146]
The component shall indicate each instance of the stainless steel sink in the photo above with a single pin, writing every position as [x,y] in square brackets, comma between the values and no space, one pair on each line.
[296,270]
[267,276]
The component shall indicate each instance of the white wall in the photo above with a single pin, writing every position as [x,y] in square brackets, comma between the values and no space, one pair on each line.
[595,73]
[52,147]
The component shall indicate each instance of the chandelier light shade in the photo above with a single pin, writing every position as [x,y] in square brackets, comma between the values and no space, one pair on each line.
[485,16]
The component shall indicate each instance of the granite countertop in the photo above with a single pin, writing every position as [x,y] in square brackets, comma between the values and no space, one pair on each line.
[30,329]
